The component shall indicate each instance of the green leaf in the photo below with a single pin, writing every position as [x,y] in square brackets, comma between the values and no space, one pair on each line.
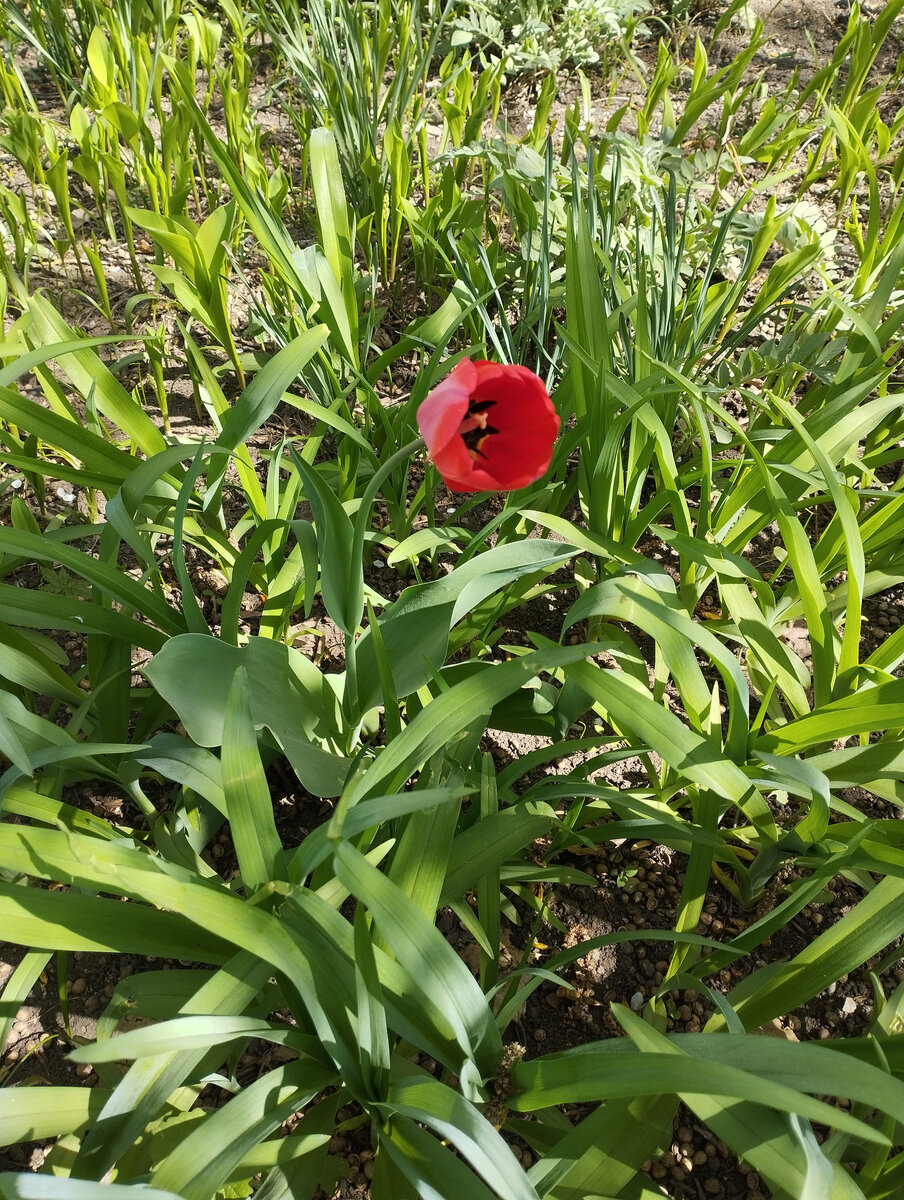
[149,1084]
[341,579]
[694,758]
[605,1150]
[204,1159]
[288,695]
[112,581]
[451,1116]
[260,398]
[45,1187]
[257,844]
[433,1171]
[68,921]
[867,929]
[23,661]
[429,960]
[424,614]
[866,711]
[589,1073]
[28,1113]
[335,234]
[187,1033]
[91,377]
[373,1036]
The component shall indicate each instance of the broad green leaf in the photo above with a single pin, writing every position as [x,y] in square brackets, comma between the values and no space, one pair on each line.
[187,1033]
[585,1074]
[288,695]
[69,921]
[424,614]
[444,718]
[194,767]
[45,1187]
[248,800]
[27,1113]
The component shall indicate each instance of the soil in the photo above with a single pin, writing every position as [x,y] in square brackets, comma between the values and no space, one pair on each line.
[635,886]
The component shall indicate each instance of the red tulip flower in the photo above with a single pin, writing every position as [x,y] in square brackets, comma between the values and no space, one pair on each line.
[489,427]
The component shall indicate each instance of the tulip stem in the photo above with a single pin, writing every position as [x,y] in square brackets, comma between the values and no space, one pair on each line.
[362,521]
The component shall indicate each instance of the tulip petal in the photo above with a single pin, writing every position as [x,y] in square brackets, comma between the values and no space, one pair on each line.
[441,413]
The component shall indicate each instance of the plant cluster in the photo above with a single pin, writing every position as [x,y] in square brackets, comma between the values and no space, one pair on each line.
[634,331]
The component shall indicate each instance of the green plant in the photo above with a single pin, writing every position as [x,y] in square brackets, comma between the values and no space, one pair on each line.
[545,35]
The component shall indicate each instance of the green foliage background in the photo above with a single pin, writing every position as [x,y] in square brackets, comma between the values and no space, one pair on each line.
[675,277]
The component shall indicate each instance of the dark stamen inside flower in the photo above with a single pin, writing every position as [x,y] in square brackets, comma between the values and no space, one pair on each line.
[475,438]
[479,406]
